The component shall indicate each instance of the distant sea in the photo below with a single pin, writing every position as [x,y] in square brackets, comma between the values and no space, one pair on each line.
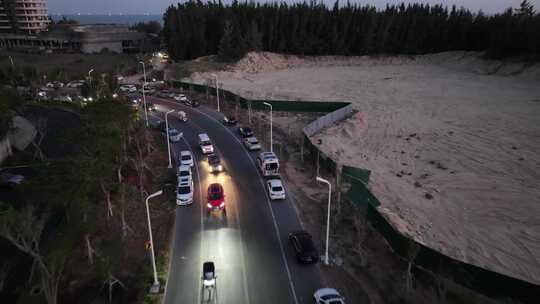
[107,19]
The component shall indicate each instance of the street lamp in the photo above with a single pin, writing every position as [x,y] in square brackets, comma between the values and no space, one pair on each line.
[271,145]
[168,140]
[143,93]
[320,179]
[90,77]
[217,91]
[155,286]
[12,64]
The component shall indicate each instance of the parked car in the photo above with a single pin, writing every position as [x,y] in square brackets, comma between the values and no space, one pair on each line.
[65,98]
[174,135]
[184,171]
[182,116]
[184,192]
[229,120]
[215,163]
[215,198]
[180,97]
[328,296]
[245,132]
[252,144]
[192,103]
[303,246]
[186,158]
[75,84]
[275,189]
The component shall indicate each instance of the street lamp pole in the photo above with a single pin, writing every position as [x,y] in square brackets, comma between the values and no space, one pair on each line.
[168,140]
[90,77]
[143,93]
[155,286]
[217,91]
[271,144]
[320,179]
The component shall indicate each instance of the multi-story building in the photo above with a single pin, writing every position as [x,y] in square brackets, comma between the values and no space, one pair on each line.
[23,16]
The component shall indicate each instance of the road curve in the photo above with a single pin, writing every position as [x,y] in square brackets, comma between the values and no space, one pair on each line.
[249,246]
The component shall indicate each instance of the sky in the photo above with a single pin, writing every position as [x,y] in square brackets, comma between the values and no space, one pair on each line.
[159,6]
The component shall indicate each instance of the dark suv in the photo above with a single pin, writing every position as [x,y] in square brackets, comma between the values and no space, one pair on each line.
[303,246]
[245,132]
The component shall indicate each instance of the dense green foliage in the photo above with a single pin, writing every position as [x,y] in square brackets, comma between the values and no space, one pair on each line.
[195,29]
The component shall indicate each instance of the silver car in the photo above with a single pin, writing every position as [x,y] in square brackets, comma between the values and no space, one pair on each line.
[252,144]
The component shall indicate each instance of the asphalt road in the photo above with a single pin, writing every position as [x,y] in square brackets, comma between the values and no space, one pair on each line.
[249,246]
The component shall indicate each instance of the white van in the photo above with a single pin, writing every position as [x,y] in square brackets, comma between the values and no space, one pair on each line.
[205,143]
[268,163]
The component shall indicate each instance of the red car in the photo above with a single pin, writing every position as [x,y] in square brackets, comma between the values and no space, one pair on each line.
[216,198]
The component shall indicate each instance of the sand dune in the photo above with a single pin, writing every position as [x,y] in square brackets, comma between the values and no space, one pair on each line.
[463,129]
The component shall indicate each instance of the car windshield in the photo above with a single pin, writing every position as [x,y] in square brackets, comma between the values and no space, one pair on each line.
[247,130]
[184,173]
[253,141]
[186,157]
[330,297]
[277,189]
[184,190]
[215,196]
[213,159]
[205,143]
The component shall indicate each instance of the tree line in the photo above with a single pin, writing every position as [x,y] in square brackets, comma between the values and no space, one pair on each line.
[193,29]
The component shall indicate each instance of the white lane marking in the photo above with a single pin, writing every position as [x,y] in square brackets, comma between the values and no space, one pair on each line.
[242,257]
[284,260]
[199,181]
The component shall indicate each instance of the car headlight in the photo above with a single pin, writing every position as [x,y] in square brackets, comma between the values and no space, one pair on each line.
[222,205]
[220,168]
[208,205]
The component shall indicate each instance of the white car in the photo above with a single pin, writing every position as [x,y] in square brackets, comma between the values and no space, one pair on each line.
[183,172]
[174,135]
[186,158]
[328,296]
[275,189]
[180,97]
[252,144]
[65,98]
[75,84]
[184,192]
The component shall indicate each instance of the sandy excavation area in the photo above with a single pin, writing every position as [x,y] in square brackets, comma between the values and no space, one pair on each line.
[461,130]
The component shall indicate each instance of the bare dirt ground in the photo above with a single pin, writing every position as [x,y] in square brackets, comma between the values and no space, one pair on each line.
[451,125]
